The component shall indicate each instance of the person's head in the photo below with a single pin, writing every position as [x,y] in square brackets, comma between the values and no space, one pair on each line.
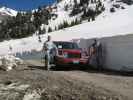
[49,38]
[95,41]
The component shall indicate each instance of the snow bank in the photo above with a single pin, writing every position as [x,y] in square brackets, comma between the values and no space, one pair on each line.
[9,62]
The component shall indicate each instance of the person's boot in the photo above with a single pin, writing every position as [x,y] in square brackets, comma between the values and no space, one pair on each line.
[45,66]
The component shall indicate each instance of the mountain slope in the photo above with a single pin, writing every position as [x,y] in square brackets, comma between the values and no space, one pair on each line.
[89,10]
[108,23]
[120,23]
[7,11]
[63,14]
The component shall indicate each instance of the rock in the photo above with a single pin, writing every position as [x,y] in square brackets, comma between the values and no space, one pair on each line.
[8,82]
[32,96]
[9,62]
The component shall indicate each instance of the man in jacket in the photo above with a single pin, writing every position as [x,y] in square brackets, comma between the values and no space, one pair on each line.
[50,50]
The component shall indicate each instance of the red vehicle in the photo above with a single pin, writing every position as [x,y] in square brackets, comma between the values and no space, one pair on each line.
[69,54]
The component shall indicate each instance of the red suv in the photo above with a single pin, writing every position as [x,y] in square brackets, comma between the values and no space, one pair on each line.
[69,53]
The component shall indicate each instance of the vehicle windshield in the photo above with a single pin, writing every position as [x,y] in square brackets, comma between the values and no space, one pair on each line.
[66,45]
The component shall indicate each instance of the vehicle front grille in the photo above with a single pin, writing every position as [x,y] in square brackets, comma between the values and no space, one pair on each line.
[74,55]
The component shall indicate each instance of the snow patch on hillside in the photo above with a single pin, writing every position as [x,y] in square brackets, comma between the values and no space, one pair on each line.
[108,4]
[63,15]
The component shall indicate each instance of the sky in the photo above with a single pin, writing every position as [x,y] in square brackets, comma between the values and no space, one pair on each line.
[24,4]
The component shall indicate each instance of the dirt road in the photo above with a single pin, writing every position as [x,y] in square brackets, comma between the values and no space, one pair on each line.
[34,83]
[122,85]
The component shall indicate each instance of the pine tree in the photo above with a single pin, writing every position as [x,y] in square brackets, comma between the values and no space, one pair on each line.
[56,28]
[72,23]
[43,31]
[65,24]
[49,29]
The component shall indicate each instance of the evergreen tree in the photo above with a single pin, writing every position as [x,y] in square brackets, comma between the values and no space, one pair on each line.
[56,28]
[49,29]
[65,24]
[43,31]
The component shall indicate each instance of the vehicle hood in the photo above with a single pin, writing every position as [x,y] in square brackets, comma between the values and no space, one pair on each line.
[70,50]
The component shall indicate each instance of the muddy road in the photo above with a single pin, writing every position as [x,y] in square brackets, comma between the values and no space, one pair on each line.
[34,83]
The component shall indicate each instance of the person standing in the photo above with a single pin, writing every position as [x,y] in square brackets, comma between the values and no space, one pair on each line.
[99,55]
[95,53]
[49,50]
[92,55]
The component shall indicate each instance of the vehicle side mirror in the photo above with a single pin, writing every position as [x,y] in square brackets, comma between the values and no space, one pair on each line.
[80,49]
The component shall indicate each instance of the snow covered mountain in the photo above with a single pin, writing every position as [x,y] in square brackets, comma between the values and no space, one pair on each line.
[115,19]
[7,11]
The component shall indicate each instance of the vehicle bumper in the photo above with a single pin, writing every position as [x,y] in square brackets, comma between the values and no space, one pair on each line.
[71,61]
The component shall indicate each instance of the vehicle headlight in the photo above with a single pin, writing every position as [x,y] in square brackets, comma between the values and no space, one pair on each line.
[65,55]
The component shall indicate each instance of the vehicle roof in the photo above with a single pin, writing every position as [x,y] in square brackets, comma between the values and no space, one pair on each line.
[64,41]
